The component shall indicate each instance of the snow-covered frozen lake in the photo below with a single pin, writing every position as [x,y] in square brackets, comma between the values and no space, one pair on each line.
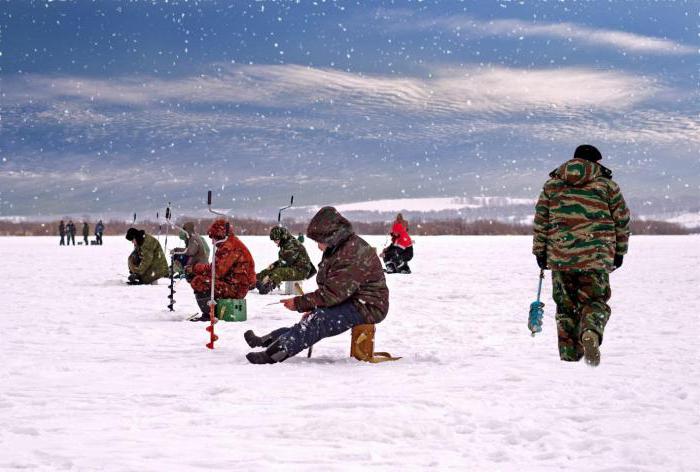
[98,375]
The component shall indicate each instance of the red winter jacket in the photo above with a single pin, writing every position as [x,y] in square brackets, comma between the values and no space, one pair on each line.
[399,236]
[235,271]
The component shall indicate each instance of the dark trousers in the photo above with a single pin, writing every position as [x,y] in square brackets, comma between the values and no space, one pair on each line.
[71,237]
[85,239]
[63,240]
[98,238]
[398,256]
[322,323]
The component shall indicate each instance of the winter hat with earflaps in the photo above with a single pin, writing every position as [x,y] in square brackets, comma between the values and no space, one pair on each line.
[587,152]
[218,228]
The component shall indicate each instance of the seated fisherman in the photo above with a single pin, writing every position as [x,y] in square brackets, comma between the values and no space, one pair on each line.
[351,291]
[293,262]
[235,269]
[147,261]
[195,251]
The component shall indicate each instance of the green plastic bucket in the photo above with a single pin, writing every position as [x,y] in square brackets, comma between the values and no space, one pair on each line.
[230,309]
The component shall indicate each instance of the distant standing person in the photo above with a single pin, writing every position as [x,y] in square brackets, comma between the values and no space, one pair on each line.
[581,231]
[400,251]
[86,233]
[62,233]
[70,231]
[99,230]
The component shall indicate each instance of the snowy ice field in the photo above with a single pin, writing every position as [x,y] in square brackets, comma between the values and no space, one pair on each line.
[98,375]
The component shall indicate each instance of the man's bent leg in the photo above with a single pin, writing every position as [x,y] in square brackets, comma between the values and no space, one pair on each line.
[322,323]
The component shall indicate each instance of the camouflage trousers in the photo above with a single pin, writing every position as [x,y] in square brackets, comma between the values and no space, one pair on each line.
[581,298]
[280,274]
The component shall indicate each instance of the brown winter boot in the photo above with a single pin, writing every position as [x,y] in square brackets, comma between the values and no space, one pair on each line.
[591,347]
[362,342]
[362,345]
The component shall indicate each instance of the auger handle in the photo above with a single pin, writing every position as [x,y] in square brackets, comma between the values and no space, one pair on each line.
[209,198]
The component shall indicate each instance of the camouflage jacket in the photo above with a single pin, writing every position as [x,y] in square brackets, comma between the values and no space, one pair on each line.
[349,270]
[581,219]
[292,253]
[235,268]
[152,263]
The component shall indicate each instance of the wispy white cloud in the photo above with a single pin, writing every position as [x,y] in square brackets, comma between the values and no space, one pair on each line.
[448,90]
[467,26]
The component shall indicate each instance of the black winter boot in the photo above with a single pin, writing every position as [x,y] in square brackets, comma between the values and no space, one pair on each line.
[273,354]
[252,339]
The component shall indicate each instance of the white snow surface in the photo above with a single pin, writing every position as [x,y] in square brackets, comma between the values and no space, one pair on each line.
[98,375]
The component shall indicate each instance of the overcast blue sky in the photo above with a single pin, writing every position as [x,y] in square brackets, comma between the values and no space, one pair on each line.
[111,107]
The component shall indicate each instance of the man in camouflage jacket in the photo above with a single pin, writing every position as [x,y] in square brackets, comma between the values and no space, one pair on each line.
[147,261]
[351,291]
[581,230]
[293,262]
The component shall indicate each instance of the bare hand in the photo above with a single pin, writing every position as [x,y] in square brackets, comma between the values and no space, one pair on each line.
[288,304]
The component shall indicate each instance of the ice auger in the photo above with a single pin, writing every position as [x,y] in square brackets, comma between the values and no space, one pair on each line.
[279,214]
[534,320]
[212,303]
[168,219]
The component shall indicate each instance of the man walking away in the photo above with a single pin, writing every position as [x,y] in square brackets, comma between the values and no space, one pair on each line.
[581,230]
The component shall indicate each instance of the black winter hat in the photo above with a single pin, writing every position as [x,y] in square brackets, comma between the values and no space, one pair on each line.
[138,234]
[587,152]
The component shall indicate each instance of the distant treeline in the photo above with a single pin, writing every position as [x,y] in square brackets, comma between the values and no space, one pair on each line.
[248,226]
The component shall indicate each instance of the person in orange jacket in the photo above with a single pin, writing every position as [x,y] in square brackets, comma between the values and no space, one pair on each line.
[235,269]
[400,251]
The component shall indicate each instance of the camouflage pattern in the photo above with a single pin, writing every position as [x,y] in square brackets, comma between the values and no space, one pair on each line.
[581,298]
[581,219]
[349,270]
[235,268]
[148,260]
[293,262]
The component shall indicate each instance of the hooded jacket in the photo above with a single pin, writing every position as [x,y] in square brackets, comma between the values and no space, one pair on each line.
[349,270]
[581,218]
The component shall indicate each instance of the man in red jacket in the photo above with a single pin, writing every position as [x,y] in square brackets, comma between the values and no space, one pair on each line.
[235,269]
[397,255]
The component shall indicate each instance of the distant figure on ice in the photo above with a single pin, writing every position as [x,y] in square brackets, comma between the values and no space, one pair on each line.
[147,262]
[86,233]
[293,262]
[235,269]
[351,291]
[196,250]
[70,232]
[581,231]
[99,231]
[400,251]
[62,233]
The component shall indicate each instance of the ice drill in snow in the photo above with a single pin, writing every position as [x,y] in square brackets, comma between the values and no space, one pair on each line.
[534,320]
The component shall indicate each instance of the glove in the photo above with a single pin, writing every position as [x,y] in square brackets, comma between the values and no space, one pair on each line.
[542,261]
[618,261]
